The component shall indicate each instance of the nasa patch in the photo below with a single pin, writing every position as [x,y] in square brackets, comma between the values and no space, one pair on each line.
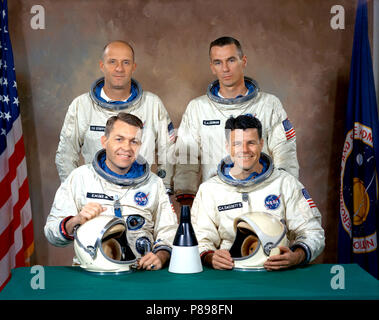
[141,198]
[272,202]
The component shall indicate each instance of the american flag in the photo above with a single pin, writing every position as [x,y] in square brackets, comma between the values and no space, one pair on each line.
[171,132]
[16,228]
[289,130]
[308,198]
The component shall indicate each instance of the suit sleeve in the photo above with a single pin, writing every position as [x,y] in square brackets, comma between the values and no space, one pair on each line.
[187,152]
[165,221]
[165,144]
[282,141]
[70,143]
[205,222]
[304,222]
[64,206]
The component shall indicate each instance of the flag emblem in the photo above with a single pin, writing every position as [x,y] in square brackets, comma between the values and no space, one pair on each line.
[288,129]
[308,198]
[171,131]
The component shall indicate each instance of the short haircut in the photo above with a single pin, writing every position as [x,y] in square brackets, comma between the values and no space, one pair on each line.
[243,122]
[124,117]
[223,41]
[120,41]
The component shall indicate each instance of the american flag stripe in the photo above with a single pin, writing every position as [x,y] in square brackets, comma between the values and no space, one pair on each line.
[308,198]
[16,226]
[8,204]
[18,219]
[4,265]
[15,169]
[311,203]
[288,129]
[18,200]
[171,132]
[14,135]
[290,134]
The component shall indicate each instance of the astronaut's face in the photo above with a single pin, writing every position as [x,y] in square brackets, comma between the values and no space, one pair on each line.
[227,65]
[245,149]
[117,66]
[121,146]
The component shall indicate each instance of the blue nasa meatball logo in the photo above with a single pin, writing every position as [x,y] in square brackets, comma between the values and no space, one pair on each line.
[272,202]
[141,198]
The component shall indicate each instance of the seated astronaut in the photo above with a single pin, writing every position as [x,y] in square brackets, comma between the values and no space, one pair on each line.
[253,215]
[117,184]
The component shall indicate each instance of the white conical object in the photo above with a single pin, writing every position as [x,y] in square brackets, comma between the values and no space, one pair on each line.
[185,260]
[185,255]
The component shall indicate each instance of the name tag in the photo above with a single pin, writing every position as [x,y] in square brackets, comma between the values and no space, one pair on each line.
[211,122]
[97,128]
[101,196]
[230,206]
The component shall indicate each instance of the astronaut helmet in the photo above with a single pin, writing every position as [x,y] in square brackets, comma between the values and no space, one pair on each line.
[258,236]
[101,245]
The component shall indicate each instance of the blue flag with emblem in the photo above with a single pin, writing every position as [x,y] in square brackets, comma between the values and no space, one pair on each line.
[358,223]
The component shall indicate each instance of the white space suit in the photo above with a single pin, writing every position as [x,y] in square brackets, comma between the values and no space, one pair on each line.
[201,134]
[85,121]
[144,204]
[221,199]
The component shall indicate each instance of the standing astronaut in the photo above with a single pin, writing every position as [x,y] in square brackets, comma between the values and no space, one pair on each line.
[201,140]
[117,91]
[118,183]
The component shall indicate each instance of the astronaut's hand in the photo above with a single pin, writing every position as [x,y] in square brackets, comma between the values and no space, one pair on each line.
[88,212]
[220,259]
[153,261]
[286,259]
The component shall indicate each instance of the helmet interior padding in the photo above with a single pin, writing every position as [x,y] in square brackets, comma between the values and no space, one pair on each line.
[112,249]
[115,245]
[249,245]
[115,231]
[245,243]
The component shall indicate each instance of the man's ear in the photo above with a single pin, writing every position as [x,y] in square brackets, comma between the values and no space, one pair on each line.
[262,142]
[244,61]
[101,65]
[103,140]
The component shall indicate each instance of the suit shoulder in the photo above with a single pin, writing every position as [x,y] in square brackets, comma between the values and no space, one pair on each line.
[197,103]
[151,96]
[200,99]
[83,97]
[287,178]
[211,184]
[80,174]
[155,180]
